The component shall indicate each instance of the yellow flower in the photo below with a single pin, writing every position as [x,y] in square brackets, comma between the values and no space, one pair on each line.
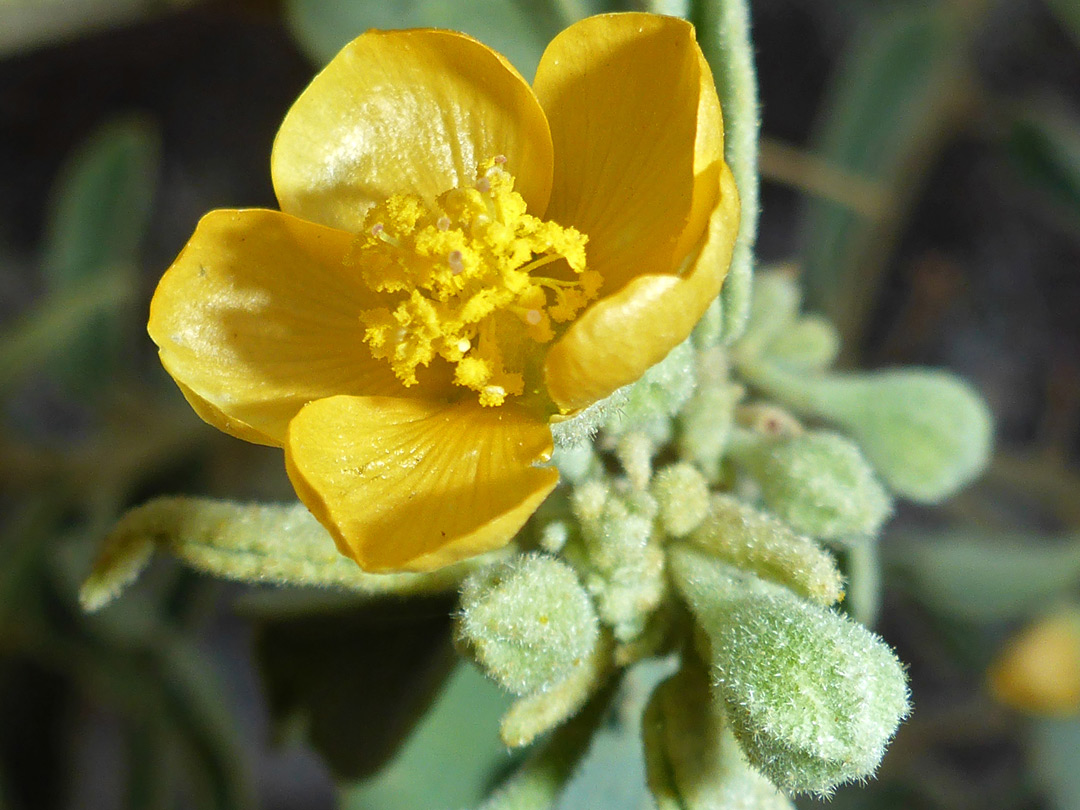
[459,259]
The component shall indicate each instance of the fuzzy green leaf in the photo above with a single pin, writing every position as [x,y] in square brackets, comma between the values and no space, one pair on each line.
[926,432]
[280,544]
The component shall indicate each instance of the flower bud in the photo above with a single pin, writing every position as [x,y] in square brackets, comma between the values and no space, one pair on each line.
[682,495]
[812,696]
[621,566]
[1039,670]
[741,535]
[819,484]
[527,621]
[809,344]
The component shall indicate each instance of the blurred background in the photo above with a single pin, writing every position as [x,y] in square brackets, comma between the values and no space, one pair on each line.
[921,167]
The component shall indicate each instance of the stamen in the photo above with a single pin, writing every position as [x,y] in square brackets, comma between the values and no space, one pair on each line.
[494,250]
[551,257]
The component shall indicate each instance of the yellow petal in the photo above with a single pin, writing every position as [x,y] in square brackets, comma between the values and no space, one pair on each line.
[621,336]
[1038,671]
[412,485]
[399,112]
[638,140]
[258,316]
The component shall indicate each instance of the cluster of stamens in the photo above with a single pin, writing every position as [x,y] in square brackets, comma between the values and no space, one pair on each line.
[461,284]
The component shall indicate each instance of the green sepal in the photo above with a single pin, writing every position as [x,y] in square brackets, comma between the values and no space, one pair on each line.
[692,759]
[269,544]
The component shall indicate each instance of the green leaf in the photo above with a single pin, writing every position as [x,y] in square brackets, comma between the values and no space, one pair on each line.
[1055,751]
[355,681]
[518,30]
[885,100]
[100,209]
[723,30]
[450,760]
[46,333]
[280,544]
[1068,14]
[1044,144]
[988,577]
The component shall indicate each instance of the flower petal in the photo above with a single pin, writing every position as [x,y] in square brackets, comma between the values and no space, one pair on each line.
[407,112]
[638,140]
[412,485]
[621,336]
[258,316]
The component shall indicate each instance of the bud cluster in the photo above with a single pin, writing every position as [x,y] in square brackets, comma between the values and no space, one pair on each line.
[692,522]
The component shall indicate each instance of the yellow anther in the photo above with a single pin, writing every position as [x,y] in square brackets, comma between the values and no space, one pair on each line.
[462,283]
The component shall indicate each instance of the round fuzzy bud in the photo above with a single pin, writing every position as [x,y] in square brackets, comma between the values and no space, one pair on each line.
[528,621]
[682,495]
[813,697]
[820,485]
